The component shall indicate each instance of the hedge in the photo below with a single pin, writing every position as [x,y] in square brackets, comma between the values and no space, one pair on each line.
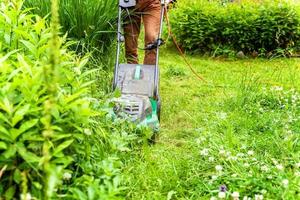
[207,27]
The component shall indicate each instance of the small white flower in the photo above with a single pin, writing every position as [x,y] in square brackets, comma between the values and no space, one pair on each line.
[222,195]
[211,159]
[214,177]
[204,152]
[27,196]
[240,155]
[250,153]
[285,183]
[274,161]
[87,131]
[246,165]
[246,198]
[263,191]
[213,198]
[264,168]
[270,177]
[235,195]
[297,165]
[222,152]
[67,176]
[234,175]
[259,197]
[222,115]
[228,153]
[219,168]
[279,167]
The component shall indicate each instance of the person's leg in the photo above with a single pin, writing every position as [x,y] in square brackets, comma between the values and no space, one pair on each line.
[132,30]
[151,19]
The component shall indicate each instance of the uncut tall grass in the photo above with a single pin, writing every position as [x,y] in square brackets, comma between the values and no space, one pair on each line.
[92,22]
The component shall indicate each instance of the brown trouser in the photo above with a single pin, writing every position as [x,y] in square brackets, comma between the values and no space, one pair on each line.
[149,12]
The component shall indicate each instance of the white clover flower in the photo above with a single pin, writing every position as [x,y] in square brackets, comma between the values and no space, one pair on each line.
[297,165]
[276,88]
[204,152]
[67,176]
[235,195]
[222,152]
[246,165]
[87,131]
[234,158]
[219,168]
[246,198]
[250,152]
[214,177]
[279,167]
[211,159]
[274,161]
[240,155]
[263,191]
[270,177]
[222,115]
[285,183]
[26,197]
[264,168]
[228,153]
[258,197]
[222,195]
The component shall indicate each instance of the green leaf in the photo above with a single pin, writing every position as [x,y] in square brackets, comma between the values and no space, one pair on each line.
[19,114]
[4,58]
[24,64]
[29,157]
[57,137]
[3,145]
[62,146]
[4,134]
[6,106]
[10,151]
[10,192]
[31,47]
[17,176]
[24,127]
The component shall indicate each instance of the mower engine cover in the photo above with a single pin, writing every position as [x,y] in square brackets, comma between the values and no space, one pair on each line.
[136,83]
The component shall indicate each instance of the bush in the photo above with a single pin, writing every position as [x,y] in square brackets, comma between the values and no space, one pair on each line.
[55,140]
[202,26]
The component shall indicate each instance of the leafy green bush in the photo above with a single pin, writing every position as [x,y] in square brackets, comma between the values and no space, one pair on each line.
[202,26]
[55,139]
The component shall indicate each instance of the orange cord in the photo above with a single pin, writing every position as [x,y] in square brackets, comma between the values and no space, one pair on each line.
[170,34]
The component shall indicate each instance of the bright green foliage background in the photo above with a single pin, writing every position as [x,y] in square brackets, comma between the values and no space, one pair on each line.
[57,136]
[268,27]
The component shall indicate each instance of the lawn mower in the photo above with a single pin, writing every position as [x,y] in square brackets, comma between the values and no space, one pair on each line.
[138,83]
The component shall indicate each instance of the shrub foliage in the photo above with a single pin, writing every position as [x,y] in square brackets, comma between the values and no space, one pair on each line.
[55,139]
[266,27]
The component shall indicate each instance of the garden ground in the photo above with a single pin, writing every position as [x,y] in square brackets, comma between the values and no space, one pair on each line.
[238,131]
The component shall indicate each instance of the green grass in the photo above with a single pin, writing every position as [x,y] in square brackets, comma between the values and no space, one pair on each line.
[238,110]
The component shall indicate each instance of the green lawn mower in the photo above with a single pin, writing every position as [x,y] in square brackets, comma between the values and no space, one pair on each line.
[138,83]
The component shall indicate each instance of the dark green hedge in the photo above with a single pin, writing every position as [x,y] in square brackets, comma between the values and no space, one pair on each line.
[207,27]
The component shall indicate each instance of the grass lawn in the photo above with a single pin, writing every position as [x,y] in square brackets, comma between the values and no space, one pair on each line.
[237,132]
